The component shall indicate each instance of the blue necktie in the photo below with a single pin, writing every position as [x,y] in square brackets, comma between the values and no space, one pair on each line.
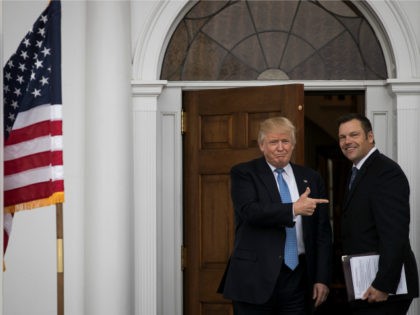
[353,176]
[290,249]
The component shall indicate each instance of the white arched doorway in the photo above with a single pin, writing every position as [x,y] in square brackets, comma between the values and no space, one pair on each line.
[392,105]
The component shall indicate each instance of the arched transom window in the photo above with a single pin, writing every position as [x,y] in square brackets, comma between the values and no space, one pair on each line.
[296,40]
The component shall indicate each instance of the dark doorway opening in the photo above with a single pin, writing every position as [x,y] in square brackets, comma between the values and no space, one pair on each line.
[322,109]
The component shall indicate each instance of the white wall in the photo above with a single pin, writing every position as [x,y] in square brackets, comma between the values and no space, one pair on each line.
[30,279]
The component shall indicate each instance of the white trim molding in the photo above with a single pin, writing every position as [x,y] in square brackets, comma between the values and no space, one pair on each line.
[407,107]
[399,34]
[152,42]
[145,96]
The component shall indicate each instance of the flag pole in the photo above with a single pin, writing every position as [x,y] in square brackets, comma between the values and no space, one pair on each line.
[60,259]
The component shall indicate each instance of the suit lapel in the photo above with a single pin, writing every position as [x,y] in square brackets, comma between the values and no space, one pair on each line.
[361,173]
[268,179]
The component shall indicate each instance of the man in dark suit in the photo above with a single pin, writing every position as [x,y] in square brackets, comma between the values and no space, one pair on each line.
[376,218]
[259,278]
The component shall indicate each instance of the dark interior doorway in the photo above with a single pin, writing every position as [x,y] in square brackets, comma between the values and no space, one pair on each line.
[322,109]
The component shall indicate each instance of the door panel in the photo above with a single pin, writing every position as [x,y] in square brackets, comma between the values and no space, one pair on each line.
[221,131]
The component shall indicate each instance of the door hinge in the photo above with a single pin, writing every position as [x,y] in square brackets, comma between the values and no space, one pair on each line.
[183,257]
[183,122]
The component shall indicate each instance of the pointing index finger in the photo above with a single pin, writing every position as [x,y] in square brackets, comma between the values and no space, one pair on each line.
[321,200]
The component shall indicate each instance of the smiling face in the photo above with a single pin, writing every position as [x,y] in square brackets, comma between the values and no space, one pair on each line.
[355,143]
[277,147]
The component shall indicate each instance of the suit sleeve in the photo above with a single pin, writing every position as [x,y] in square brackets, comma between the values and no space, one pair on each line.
[323,239]
[253,203]
[391,210]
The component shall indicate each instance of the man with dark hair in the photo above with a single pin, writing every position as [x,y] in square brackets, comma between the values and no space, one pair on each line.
[376,218]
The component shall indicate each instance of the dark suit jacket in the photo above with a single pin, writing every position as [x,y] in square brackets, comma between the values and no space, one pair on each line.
[260,219]
[376,218]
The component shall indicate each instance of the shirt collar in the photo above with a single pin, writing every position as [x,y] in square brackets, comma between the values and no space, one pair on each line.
[360,164]
[287,169]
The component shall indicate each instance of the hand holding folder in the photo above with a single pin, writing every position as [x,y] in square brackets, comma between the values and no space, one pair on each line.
[359,273]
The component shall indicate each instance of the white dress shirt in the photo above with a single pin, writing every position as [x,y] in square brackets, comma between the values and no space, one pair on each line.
[289,177]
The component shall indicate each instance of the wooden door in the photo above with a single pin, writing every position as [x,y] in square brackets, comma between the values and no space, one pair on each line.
[220,131]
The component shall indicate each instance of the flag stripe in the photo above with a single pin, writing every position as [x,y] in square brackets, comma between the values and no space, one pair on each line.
[32,176]
[33,146]
[7,229]
[33,161]
[33,192]
[37,114]
[40,129]
[7,223]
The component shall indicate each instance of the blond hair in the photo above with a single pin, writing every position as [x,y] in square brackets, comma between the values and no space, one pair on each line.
[277,124]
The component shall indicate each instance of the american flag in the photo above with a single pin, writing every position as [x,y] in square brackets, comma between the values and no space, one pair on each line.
[33,146]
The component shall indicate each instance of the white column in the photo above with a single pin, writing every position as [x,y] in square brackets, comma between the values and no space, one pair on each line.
[145,95]
[108,228]
[407,105]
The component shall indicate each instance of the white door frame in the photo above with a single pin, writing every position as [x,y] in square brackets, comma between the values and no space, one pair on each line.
[392,105]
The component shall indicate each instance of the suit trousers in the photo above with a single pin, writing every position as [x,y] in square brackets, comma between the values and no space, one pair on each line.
[288,297]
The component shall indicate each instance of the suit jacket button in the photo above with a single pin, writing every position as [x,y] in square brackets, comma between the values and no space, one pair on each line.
[280,257]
